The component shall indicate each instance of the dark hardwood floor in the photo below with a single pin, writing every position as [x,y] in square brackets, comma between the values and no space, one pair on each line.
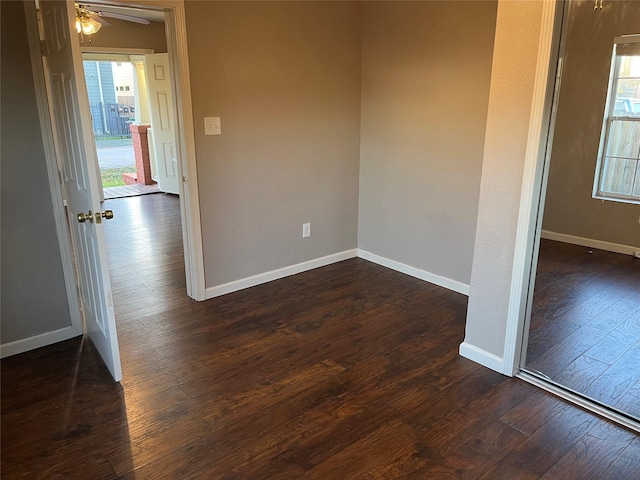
[343,372]
[585,323]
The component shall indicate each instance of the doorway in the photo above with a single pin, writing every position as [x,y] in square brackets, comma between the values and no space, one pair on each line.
[584,316]
[170,15]
[112,99]
[73,147]
[116,113]
[121,88]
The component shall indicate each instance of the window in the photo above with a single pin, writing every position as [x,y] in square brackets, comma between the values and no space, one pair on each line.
[618,172]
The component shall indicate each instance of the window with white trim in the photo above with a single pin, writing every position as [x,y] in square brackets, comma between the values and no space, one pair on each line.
[618,173]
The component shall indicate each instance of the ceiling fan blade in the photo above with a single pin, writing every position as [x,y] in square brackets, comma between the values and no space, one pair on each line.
[128,18]
[101,20]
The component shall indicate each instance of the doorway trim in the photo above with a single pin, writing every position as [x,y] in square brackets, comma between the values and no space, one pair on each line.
[175,31]
[538,139]
[504,249]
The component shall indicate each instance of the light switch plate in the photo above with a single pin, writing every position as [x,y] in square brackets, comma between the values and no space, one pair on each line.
[212,126]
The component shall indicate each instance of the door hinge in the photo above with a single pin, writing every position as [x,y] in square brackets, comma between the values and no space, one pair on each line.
[44,51]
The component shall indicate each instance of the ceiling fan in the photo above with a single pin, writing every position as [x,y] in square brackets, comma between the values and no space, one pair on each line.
[90,19]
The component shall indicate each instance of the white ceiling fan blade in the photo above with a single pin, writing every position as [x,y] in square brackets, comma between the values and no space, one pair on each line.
[128,18]
[101,20]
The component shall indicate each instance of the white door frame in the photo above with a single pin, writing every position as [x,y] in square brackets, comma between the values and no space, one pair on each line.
[175,30]
[176,33]
[533,184]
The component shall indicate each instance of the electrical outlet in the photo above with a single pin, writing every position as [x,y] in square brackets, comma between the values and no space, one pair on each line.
[212,126]
[306,230]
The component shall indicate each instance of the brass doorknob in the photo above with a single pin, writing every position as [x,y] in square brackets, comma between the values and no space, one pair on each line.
[98,216]
[83,217]
[107,214]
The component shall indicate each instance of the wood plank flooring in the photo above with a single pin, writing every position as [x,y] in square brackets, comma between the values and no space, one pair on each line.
[585,324]
[129,191]
[343,372]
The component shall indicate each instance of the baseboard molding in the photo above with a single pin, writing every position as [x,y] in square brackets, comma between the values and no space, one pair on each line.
[415,272]
[589,242]
[261,278]
[37,341]
[482,357]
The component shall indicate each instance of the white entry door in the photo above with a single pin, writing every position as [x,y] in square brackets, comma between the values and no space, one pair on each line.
[71,122]
[163,130]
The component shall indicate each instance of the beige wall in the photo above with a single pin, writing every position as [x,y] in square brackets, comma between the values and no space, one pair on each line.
[123,34]
[285,78]
[34,299]
[510,104]
[570,209]
[425,89]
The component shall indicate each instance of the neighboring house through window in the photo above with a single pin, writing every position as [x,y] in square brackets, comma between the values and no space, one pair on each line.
[618,172]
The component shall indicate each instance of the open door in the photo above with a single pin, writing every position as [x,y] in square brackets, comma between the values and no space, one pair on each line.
[163,130]
[71,122]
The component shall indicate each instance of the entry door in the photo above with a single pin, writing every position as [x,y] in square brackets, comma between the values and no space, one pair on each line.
[71,122]
[163,130]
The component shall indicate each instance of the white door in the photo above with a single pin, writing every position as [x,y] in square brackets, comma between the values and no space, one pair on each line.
[70,118]
[163,132]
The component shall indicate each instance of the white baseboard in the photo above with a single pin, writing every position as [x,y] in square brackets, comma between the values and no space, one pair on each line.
[415,272]
[482,357]
[261,278]
[589,242]
[37,341]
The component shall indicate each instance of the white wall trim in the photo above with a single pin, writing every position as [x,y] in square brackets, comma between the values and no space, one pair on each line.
[416,272]
[261,278]
[591,243]
[59,212]
[531,184]
[482,357]
[37,341]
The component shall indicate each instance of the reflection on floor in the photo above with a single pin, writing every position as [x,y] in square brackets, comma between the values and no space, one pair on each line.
[585,324]
[129,191]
